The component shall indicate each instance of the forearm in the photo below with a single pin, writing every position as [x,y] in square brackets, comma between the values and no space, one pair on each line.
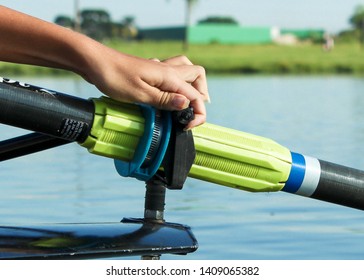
[29,40]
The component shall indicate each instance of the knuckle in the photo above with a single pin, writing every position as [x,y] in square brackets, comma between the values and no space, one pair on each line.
[163,99]
[184,59]
[201,70]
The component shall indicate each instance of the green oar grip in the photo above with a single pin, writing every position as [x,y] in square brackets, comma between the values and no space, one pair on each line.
[239,160]
[223,156]
[116,129]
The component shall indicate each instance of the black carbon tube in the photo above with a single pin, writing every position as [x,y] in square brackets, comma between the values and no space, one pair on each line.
[28,144]
[341,185]
[326,181]
[48,112]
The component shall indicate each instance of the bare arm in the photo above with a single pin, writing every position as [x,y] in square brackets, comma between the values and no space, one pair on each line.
[172,84]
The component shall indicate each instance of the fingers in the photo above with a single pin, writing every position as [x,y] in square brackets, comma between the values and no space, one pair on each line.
[178,60]
[196,76]
[155,59]
[196,102]
[179,96]
[193,74]
[195,89]
[186,95]
[200,114]
[171,101]
[182,84]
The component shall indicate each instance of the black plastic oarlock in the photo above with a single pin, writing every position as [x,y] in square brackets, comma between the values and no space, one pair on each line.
[181,152]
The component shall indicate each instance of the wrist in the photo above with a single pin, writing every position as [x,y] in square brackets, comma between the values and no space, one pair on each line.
[80,58]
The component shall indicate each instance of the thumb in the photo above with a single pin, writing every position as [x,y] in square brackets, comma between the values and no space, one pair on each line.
[171,101]
[178,102]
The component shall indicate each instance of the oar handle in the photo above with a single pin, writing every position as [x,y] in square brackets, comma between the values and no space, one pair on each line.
[223,156]
[45,111]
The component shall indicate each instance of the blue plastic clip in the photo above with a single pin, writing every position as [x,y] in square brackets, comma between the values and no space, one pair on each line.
[134,167]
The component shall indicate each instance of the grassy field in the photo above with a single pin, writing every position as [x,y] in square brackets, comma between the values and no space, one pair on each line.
[270,59]
[224,59]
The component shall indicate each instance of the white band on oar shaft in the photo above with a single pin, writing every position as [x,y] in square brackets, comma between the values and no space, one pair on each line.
[305,175]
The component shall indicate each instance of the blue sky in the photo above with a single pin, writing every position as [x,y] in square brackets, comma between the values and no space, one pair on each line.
[332,15]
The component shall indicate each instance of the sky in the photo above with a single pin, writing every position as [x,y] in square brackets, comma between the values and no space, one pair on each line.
[331,15]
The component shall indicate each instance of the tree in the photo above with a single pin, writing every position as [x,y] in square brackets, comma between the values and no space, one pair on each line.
[357,21]
[128,29]
[217,19]
[64,21]
[96,24]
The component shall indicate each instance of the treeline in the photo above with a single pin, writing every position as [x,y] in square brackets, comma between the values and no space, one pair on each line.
[97,24]
[356,33]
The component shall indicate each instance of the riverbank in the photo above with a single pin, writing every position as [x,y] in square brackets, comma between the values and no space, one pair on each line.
[236,59]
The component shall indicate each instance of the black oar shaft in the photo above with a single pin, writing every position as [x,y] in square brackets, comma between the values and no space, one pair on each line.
[45,111]
[326,181]
[28,144]
[341,185]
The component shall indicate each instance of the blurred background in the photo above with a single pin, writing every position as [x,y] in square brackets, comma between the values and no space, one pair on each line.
[225,37]
[287,70]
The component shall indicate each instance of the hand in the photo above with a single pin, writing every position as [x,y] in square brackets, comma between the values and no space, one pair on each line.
[172,84]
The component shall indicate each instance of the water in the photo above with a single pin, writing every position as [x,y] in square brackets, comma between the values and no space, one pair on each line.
[317,116]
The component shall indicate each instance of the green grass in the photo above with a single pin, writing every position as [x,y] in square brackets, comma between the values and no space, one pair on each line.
[272,59]
[224,59]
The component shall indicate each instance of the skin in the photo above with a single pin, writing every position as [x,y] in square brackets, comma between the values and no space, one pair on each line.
[172,84]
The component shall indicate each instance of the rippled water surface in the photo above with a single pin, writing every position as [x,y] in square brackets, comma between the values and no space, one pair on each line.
[317,116]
